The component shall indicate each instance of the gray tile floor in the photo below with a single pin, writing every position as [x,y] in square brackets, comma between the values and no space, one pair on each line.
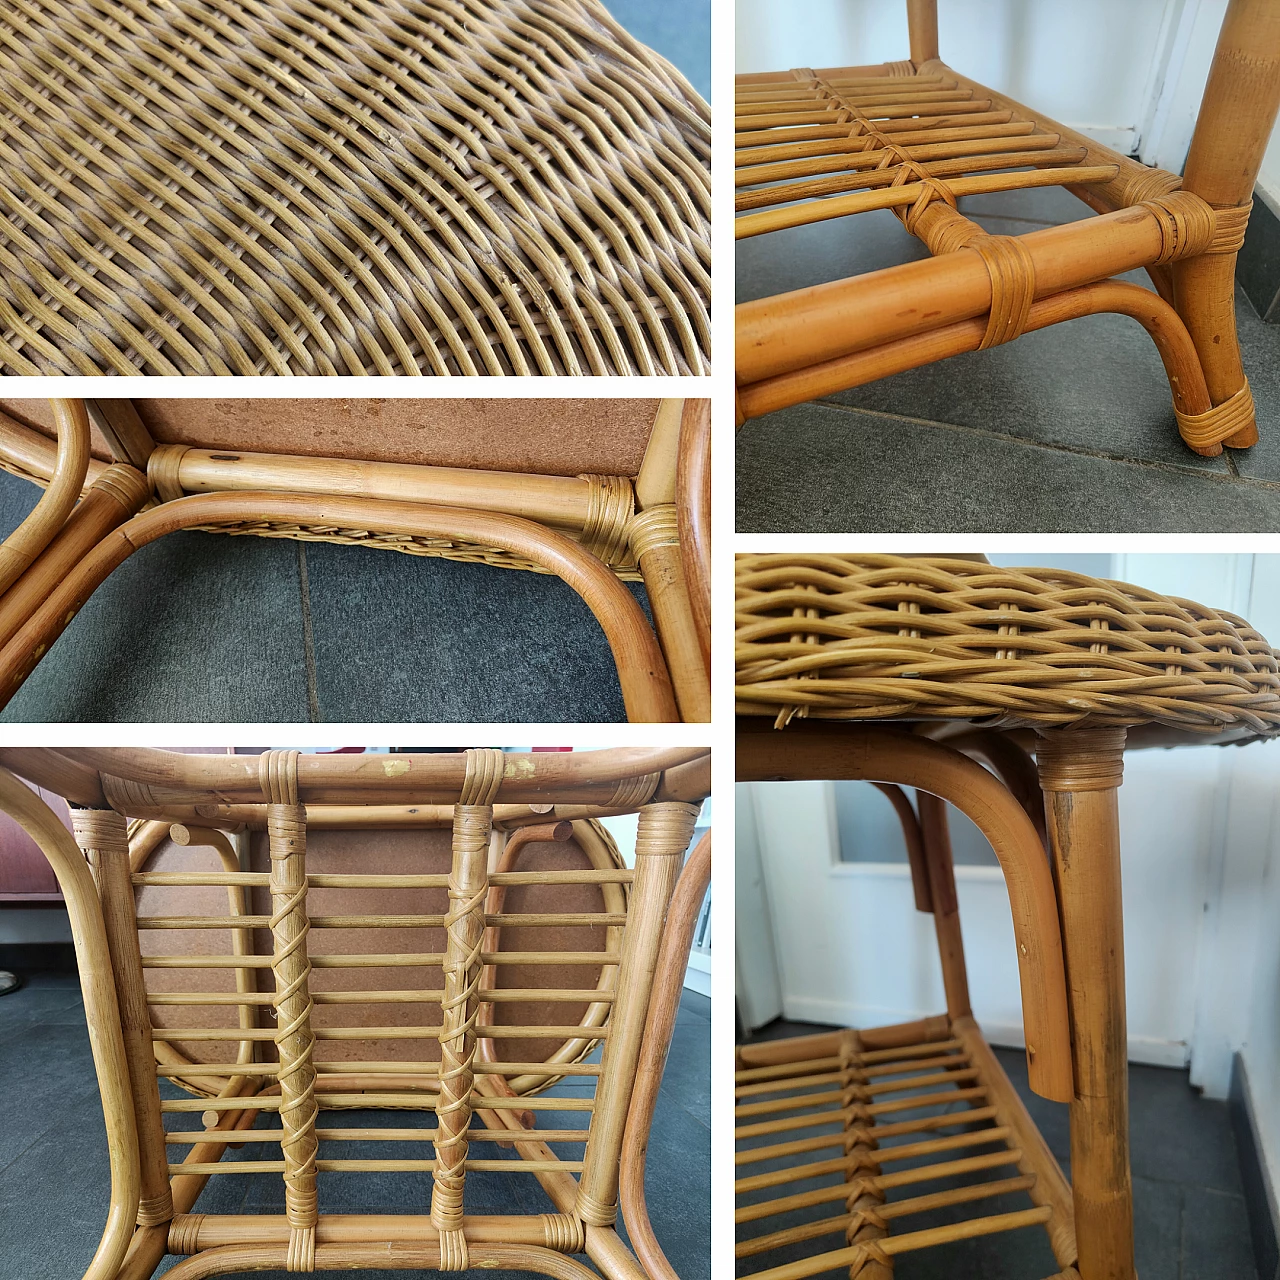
[1070,429]
[1190,1221]
[207,627]
[53,1156]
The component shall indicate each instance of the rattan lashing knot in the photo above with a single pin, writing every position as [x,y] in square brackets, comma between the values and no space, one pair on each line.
[653,528]
[665,829]
[301,1255]
[1080,759]
[126,484]
[162,470]
[184,1233]
[563,1232]
[278,776]
[1221,423]
[1186,225]
[611,502]
[1013,285]
[633,792]
[100,831]
[483,776]
[1229,227]
[453,1251]
[595,1213]
[155,1211]
[861,1218]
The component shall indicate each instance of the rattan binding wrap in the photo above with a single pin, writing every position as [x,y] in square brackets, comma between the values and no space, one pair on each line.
[871,637]
[359,187]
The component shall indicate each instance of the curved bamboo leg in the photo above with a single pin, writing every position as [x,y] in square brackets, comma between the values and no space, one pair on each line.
[642,670]
[677,937]
[1080,770]
[35,533]
[102,1012]
[662,836]
[889,755]
[946,907]
[1237,113]
[693,510]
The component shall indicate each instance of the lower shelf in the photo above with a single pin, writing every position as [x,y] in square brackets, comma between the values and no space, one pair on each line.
[857,1147]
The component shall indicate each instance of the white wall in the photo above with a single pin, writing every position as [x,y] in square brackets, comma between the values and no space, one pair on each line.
[1087,63]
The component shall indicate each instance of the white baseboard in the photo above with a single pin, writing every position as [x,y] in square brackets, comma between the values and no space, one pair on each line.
[698,980]
[1142,1049]
[1121,138]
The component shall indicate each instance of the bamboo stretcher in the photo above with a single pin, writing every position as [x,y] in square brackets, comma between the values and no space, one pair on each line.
[595,532]
[917,137]
[1010,694]
[266,1050]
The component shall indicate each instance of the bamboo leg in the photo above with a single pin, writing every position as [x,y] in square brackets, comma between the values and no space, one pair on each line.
[1237,113]
[103,838]
[922,23]
[663,835]
[693,509]
[946,908]
[682,919]
[118,493]
[1080,771]
[35,533]
[295,1039]
[655,541]
[93,960]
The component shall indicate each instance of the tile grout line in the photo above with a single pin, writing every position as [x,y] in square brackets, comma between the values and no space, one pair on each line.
[1098,455]
[308,638]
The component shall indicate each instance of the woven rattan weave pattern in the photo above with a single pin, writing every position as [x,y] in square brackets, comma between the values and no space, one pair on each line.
[863,637]
[347,187]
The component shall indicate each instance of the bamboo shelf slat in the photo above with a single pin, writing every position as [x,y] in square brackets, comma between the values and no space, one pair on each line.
[917,138]
[879,1202]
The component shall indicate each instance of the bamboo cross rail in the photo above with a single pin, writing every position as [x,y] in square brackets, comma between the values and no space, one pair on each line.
[482,1086]
[917,138]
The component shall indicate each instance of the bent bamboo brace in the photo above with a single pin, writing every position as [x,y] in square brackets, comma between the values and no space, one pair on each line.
[891,756]
[664,787]
[62,553]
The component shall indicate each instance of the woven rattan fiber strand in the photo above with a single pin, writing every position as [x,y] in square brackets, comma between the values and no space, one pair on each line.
[347,187]
[877,637]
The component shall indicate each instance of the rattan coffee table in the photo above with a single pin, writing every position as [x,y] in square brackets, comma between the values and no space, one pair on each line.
[386,985]
[908,672]
[917,136]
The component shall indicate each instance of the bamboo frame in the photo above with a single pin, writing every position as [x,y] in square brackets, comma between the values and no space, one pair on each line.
[589,530]
[913,137]
[159,1191]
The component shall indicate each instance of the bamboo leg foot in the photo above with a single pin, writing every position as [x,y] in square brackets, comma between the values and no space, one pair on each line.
[1080,770]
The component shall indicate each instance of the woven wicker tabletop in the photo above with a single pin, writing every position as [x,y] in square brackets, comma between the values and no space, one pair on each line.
[882,637]
[347,187]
